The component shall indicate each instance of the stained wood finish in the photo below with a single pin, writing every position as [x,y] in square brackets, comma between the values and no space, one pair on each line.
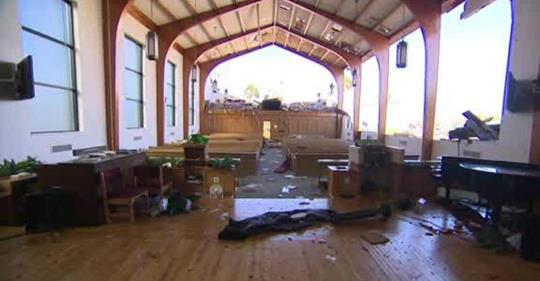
[428,14]
[357,95]
[185,247]
[384,60]
[298,123]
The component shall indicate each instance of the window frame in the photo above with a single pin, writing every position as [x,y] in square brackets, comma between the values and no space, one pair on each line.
[173,86]
[141,102]
[73,75]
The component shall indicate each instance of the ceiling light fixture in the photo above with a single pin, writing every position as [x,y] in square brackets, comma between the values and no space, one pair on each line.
[152,39]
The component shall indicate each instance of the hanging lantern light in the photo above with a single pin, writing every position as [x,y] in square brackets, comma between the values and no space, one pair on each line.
[152,45]
[401,50]
[214,86]
[152,39]
[401,54]
[194,73]
[354,75]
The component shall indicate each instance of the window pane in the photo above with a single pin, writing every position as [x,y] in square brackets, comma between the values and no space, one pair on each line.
[132,85]
[369,98]
[473,62]
[170,116]
[52,61]
[133,114]
[406,89]
[169,73]
[133,55]
[169,95]
[51,17]
[52,110]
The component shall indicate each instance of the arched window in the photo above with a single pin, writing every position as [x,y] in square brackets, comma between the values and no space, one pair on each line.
[369,99]
[473,61]
[406,89]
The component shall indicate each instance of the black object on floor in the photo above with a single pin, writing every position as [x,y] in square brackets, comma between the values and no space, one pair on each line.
[294,220]
[48,210]
[530,244]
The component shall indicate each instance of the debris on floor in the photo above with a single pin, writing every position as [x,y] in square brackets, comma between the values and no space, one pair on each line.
[304,203]
[295,220]
[291,176]
[374,237]
[331,258]
[252,187]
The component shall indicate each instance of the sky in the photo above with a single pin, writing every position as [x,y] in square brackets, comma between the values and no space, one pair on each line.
[274,70]
[472,70]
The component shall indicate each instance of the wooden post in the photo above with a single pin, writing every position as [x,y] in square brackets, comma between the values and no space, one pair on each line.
[428,13]
[384,67]
[357,96]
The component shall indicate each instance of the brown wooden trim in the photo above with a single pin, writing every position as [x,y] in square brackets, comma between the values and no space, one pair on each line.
[165,10]
[141,17]
[384,60]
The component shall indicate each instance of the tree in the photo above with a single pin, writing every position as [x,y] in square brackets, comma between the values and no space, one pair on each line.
[251,92]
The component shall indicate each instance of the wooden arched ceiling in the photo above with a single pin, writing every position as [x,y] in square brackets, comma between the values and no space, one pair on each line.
[382,17]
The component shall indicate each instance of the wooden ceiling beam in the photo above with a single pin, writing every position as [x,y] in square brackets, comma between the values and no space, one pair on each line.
[165,10]
[195,52]
[349,58]
[308,24]
[364,9]
[325,54]
[387,16]
[313,48]
[300,44]
[141,17]
[274,20]
[339,6]
[375,40]
[291,18]
[241,22]
[259,23]
[324,29]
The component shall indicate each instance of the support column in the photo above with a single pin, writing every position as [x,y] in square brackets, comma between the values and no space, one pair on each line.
[384,68]
[186,92]
[357,96]
[112,13]
[340,87]
[204,72]
[428,13]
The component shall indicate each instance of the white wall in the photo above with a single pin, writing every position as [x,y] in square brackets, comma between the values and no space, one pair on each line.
[146,136]
[412,145]
[16,141]
[176,133]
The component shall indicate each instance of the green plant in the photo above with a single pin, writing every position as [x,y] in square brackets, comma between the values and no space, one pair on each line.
[160,161]
[223,163]
[198,139]
[10,167]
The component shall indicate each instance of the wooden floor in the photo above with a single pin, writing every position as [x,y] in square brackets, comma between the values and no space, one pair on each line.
[185,247]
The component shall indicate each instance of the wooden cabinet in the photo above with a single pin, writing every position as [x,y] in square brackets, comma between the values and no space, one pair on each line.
[228,179]
[80,178]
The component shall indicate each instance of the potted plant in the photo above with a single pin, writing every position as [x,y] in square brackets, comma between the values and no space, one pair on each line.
[9,167]
[173,170]
[195,148]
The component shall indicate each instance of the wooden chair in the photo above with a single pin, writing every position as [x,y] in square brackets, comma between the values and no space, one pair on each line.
[118,196]
[151,179]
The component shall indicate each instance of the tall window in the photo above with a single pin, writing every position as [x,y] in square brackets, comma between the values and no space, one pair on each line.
[369,99]
[472,70]
[133,84]
[193,81]
[170,93]
[48,36]
[406,89]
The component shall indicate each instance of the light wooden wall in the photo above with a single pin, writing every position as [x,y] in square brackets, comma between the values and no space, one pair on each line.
[251,122]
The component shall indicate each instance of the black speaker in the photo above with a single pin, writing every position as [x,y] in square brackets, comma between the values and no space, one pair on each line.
[48,210]
[530,238]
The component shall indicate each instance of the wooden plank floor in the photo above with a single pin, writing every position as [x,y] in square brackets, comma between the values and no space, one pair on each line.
[185,247]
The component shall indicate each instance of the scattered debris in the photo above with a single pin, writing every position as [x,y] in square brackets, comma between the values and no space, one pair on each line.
[285,190]
[252,187]
[291,176]
[304,203]
[290,186]
[214,210]
[297,216]
[331,258]
[225,216]
[322,241]
[375,237]
[270,179]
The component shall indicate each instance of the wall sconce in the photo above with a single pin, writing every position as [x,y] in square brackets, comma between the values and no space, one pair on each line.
[354,74]
[401,54]
[214,86]
[152,45]
[194,73]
